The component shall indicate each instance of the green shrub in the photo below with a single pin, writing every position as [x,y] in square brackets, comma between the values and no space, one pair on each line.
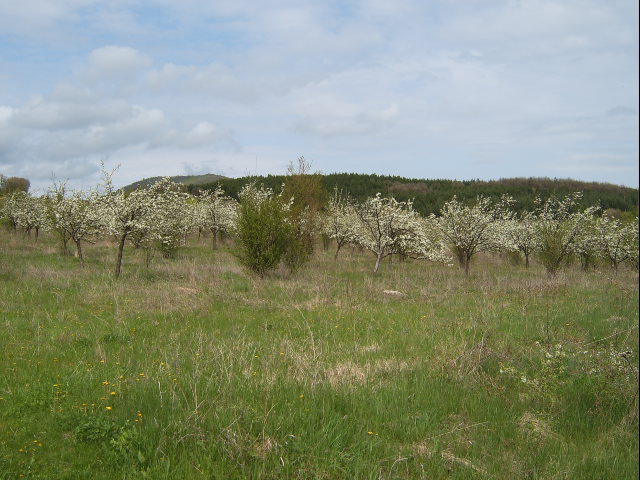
[263,232]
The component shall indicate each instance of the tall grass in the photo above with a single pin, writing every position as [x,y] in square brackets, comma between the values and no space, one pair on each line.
[191,368]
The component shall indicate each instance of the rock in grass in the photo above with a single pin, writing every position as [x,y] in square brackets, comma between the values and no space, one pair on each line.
[394,294]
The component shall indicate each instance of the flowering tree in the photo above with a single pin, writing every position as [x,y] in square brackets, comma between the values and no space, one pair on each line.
[215,212]
[631,243]
[32,215]
[386,227]
[613,239]
[12,208]
[587,246]
[74,217]
[168,220]
[558,228]
[340,221]
[520,233]
[472,229]
[124,214]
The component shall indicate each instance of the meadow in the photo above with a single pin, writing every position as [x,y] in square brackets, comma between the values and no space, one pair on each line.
[191,368]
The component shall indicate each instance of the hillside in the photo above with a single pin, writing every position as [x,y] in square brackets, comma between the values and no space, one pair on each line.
[429,195]
[207,178]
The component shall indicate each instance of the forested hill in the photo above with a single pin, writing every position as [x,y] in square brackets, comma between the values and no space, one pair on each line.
[184,179]
[429,195]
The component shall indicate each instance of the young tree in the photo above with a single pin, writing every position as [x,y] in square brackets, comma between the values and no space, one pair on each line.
[613,239]
[340,221]
[215,212]
[559,224]
[32,215]
[472,229]
[587,245]
[631,244]
[520,233]
[124,214]
[75,217]
[13,207]
[263,231]
[168,220]
[386,227]
[306,194]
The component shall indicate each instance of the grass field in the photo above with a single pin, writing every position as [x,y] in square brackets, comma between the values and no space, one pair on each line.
[193,369]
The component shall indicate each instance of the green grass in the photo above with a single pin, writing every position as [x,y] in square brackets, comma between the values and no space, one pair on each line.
[212,373]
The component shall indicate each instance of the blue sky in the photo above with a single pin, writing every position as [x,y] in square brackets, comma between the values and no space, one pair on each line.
[426,89]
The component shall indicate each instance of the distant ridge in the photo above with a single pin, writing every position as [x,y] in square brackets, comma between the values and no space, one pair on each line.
[207,178]
[429,195]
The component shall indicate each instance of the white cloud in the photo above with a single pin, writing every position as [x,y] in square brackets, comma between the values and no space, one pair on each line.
[485,84]
[114,62]
[327,116]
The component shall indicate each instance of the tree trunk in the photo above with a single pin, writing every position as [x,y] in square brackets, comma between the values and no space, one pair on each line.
[37,234]
[79,252]
[64,246]
[467,265]
[120,250]
[147,257]
[335,257]
[214,239]
[378,259]
[526,260]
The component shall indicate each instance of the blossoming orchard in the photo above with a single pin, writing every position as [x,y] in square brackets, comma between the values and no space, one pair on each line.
[163,217]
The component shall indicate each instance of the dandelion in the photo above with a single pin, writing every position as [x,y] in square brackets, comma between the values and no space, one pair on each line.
[302,395]
[141,374]
[113,393]
[108,407]
[105,383]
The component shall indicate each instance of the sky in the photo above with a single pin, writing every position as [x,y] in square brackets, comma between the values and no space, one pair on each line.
[458,89]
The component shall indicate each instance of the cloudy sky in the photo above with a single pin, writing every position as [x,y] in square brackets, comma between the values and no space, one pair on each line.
[420,88]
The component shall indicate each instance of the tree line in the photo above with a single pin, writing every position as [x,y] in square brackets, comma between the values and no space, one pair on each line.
[281,225]
[429,196]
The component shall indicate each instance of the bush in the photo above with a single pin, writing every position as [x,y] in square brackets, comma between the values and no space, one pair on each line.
[263,233]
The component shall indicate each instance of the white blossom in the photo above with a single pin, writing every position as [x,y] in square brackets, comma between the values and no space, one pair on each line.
[482,226]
